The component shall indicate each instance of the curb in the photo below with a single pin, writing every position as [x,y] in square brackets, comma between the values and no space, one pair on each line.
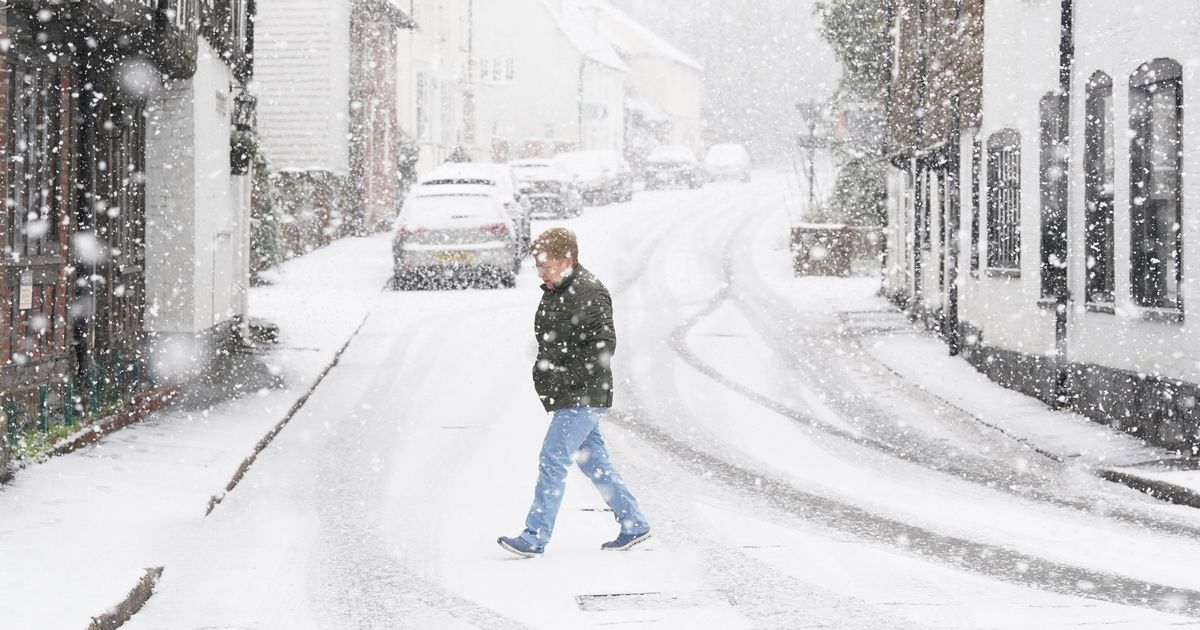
[144,405]
[133,602]
[1156,488]
[266,440]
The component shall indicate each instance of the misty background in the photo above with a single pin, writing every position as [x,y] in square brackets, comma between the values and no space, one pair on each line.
[760,58]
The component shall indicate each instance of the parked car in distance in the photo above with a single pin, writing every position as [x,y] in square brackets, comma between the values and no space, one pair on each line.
[602,176]
[549,187]
[450,235]
[619,174]
[727,161]
[672,165]
[498,177]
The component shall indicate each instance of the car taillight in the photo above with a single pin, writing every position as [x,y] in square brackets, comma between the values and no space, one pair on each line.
[495,228]
[409,230]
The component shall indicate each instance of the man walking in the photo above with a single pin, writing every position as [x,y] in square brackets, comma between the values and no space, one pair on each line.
[573,377]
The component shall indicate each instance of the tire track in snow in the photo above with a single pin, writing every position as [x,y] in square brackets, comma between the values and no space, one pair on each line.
[980,558]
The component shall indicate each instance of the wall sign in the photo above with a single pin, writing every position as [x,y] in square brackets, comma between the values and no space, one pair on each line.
[25,294]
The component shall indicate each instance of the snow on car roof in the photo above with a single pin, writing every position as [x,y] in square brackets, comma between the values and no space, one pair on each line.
[462,171]
[457,189]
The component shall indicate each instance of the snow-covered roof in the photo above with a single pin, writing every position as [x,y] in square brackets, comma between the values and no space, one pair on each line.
[574,24]
[632,37]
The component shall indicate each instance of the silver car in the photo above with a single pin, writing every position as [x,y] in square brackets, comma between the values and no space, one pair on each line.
[499,177]
[454,236]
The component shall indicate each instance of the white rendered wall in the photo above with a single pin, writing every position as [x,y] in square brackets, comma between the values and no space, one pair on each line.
[604,86]
[543,100]
[301,78]
[674,88]
[1007,308]
[1116,38]
[197,212]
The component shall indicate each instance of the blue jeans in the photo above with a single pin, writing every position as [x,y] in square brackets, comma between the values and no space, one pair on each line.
[576,432]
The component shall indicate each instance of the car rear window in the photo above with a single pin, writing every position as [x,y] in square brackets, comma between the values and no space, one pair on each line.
[459,181]
[441,208]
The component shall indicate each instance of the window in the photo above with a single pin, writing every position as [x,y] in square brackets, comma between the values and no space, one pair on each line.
[1098,168]
[1004,201]
[485,70]
[976,176]
[1156,202]
[1053,179]
[923,206]
[510,70]
[497,70]
[35,192]
[422,107]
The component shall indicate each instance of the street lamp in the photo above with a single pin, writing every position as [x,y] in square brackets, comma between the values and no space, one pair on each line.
[245,112]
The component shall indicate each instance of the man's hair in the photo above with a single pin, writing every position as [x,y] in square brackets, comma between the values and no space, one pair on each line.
[557,243]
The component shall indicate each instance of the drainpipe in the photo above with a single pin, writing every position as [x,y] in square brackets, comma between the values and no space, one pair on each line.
[1066,66]
[582,65]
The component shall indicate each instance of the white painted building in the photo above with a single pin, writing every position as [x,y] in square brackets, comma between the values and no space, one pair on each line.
[660,74]
[197,211]
[1076,280]
[435,91]
[553,81]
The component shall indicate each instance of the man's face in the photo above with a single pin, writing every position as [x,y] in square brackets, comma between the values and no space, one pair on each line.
[552,270]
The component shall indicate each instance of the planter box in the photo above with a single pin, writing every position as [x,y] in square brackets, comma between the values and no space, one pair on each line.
[833,249]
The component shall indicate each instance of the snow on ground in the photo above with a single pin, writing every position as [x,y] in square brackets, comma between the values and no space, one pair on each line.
[792,479]
[78,531]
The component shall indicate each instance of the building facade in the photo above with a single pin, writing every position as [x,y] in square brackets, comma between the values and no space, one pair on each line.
[663,80]
[75,81]
[436,91]
[197,242]
[1065,269]
[560,84]
[83,99]
[326,78]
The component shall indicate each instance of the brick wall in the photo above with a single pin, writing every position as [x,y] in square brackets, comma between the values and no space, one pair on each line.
[939,55]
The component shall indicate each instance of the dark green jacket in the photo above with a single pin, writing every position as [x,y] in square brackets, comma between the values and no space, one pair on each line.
[576,340]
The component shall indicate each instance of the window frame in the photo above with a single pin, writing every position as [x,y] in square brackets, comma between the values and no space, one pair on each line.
[1004,233]
[1099,162]
[976,200]
[1149,288]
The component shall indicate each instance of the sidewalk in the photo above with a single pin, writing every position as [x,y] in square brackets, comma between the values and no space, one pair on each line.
[79,531]
[1100,449]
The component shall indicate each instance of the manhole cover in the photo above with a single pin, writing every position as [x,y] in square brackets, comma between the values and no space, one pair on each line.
[612,602]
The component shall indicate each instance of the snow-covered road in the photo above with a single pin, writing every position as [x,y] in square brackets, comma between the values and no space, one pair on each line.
[793,480]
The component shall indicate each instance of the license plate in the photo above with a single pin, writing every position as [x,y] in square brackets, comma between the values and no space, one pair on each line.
[454,257]
[665,176]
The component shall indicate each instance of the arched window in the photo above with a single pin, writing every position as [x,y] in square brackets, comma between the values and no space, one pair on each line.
[1004,202]
[1098,168]
[1156,187]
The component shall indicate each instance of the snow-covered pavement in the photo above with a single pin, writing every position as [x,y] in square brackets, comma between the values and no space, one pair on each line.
[793,478]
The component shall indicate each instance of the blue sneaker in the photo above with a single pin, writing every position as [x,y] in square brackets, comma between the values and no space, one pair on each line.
[519,546]
[625,541]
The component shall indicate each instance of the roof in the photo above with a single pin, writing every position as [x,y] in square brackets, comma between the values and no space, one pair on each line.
[632,37]
[585,39]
